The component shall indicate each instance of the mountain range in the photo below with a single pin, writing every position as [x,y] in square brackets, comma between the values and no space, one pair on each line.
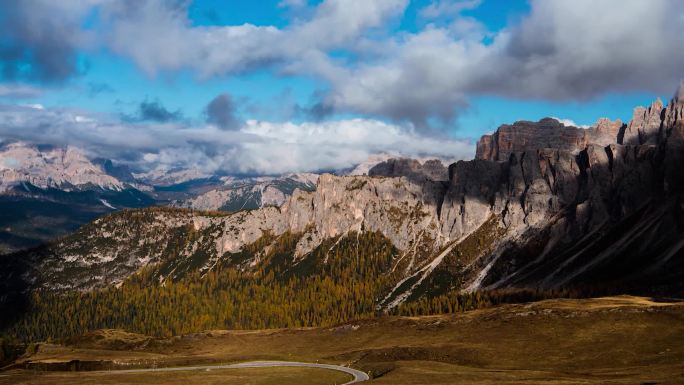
[50,191]
[542,206]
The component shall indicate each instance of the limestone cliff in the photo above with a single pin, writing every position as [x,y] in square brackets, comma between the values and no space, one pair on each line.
[432,169]
[547,133]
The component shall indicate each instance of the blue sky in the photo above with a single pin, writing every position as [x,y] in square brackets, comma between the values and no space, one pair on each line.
[437,68]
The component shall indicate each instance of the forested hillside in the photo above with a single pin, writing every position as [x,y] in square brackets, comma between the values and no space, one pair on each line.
[339,281]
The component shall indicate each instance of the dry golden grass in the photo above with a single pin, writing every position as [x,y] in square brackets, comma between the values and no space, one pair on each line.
[616,340]
[253,376]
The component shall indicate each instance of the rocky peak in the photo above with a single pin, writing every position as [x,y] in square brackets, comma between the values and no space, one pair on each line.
[524,136]
[605,126]
[679,95]
[673,116]
[58,167]
[649,126]
[432,169]
[644,128]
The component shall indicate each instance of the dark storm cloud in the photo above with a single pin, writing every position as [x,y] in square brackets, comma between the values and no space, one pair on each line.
[156,112]
[221,112]
[316,112]
[38,42]
[153,111]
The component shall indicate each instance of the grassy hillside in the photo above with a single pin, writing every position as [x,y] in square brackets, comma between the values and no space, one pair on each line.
[615,340]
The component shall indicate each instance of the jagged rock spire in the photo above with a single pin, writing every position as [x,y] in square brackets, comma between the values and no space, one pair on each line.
[674,115]
[679,95]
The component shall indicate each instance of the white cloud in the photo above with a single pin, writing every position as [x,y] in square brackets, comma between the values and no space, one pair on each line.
[159,37]
[445,8]
[257,147]
[570,123]
[35,106]
[562,50]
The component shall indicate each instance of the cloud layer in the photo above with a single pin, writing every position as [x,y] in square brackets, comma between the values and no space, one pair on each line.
[253,148]
[561,50]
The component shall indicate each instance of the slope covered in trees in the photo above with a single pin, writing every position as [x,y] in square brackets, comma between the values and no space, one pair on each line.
[339,281]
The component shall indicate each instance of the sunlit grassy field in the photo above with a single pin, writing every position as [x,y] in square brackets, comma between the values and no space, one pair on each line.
[617,340]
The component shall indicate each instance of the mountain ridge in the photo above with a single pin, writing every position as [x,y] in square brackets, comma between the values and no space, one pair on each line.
[49,191]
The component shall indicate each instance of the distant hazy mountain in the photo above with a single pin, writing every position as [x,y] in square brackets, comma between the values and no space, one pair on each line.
[168,177]
[64,168]
[48,191]
[250,193]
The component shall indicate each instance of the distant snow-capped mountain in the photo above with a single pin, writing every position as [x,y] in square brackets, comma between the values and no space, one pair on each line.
[65,168]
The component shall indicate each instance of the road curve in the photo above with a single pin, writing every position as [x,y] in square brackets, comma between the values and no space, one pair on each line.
[358,375]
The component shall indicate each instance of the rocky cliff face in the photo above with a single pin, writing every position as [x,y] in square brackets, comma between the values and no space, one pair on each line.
[432,169]
[547,133]
[589,210]
[110,249]
[542,205]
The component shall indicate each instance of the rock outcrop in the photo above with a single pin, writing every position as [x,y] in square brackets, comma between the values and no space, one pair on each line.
[645,125]
[432,169]
[674,113]
[249,193]
[547,133]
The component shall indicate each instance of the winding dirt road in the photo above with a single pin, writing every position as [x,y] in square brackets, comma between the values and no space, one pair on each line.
[358,375]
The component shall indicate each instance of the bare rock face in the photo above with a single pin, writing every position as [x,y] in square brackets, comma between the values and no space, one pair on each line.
[605,131]
[399,208]
[674,113]
[249,193]
[645,124]
[432,169]
[615,191]
[271,196]
[547,133]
